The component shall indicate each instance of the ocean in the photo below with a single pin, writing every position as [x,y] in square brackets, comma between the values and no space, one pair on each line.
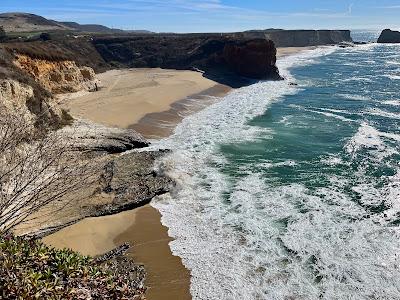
[291,191]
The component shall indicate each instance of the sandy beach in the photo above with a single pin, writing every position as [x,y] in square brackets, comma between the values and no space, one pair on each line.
[286,51]
[167,278]
[126,96]
[152,101]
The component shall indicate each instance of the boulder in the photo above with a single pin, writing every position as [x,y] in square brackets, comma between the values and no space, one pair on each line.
[389,36]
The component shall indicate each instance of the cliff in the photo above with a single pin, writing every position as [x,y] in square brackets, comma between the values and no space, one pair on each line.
[302,38]
[389,36]
[20,94]
[58,76]
[209,52]
[223,59]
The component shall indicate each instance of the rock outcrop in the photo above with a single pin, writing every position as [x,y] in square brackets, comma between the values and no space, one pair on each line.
[20,99]
[388,36]
[86,136]
[254,58]
[127,181]
[21,95]
[58,76]
[132,181]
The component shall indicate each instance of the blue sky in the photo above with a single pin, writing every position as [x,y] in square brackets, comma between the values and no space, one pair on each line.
[217,15]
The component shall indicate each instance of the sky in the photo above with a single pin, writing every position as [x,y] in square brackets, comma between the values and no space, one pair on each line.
[217,15]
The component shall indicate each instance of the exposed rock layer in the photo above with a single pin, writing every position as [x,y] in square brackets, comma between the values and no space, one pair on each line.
[127,181]
[58,76]
[90,137]
[21,94]
[19,98]
[389,36]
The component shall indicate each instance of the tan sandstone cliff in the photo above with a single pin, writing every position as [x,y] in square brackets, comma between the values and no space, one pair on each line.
[58,76]
[20,99]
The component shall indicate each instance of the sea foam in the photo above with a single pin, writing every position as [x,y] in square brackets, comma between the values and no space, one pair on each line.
[250,238]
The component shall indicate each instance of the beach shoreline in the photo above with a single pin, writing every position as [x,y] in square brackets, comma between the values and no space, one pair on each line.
[142,227]
[167,277]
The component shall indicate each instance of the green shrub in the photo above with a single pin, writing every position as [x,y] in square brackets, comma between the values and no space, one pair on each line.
[2,33]
[31,270]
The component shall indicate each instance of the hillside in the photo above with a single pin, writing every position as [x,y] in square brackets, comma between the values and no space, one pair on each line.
[24,22]
[90,27]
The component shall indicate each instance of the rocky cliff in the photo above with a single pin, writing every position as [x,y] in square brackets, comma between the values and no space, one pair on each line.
[389,36]
[62,76]
[22,95]
[19,98]
[301,38]
[253,58]
[219,57]
[205,51]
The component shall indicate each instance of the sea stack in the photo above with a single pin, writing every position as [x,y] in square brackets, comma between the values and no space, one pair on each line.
[389,36]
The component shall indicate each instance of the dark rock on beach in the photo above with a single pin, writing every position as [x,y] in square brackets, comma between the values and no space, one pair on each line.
[132,182]
[126,181]
[86,136]
[389,36]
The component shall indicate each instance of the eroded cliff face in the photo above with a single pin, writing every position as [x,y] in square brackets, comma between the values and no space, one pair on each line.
[20,99]
[254,58]
[219,57]
[58,76]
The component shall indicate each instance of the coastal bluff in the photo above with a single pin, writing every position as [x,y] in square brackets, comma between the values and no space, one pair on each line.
[389,36]
[301,38]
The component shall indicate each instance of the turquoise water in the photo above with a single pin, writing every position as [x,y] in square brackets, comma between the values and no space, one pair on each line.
[293,192]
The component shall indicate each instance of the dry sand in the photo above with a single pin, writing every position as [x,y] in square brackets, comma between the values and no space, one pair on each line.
[126,96]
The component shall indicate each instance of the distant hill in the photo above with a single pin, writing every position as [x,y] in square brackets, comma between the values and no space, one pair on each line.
[90,27]
[24,22]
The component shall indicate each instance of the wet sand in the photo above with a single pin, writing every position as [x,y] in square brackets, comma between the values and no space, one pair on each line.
[167,278]
[160,125]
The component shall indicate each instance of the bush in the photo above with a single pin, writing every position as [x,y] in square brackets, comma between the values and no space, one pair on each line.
[31,270]
[45,36]
[2,33]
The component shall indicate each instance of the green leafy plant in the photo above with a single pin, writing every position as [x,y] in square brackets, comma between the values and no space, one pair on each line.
[31,270]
